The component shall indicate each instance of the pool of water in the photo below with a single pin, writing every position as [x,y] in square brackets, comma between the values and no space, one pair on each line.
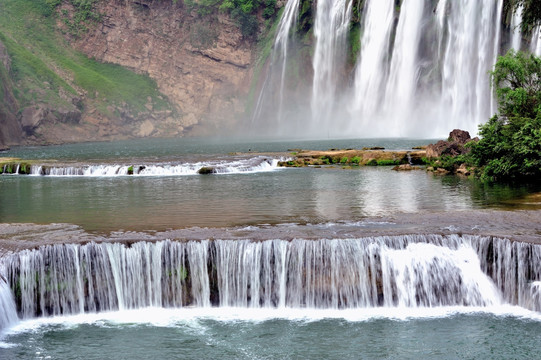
[231,333]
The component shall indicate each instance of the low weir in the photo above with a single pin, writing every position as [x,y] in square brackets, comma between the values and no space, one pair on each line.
[397,271]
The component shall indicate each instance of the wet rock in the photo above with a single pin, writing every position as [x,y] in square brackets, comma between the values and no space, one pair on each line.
[406,167]
[441,171]
[206,170]
[463,170]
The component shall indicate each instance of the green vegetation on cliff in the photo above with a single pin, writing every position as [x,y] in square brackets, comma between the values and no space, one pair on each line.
[244,12]
[46,70]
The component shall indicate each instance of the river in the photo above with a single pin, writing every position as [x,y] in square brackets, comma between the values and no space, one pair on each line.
[256,261]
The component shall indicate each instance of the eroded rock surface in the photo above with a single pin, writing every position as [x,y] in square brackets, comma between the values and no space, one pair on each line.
[203,65]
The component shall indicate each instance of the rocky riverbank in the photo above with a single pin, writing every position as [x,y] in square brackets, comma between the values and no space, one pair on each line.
[352,157]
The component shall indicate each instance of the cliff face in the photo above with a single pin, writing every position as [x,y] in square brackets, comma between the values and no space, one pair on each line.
[201,63]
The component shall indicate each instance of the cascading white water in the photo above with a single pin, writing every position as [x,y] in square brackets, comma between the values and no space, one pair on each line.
[404,71]
[279,58]
[411,271]
[423,68]
[330,31]
[535,45]
[372,69]
[466,95]
[437,78]
[516,29]
[8,310]
[251,165]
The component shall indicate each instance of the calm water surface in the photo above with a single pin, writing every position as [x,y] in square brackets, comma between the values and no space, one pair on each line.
[307,195]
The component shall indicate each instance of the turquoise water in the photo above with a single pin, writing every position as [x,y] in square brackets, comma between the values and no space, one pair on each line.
[268,196]
[313,335]
[160,148]
[320,202]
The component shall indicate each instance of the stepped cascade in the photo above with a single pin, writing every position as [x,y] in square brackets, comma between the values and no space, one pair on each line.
[398,271]
[238,166]
[421,68]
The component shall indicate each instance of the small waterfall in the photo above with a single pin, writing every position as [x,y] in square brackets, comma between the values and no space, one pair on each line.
[330,30]
[251,165]
[411,271]
[516,28]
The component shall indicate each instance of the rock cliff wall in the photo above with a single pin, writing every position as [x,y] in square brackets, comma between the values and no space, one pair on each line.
[201,63]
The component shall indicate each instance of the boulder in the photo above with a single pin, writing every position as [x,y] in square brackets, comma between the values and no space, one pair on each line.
[32,116]
[463,170]
[459,136]
[206,170]
[453,147]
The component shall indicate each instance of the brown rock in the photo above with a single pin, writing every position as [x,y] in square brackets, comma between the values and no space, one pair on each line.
[459,136]
[406,167]
[441,171]
[463,170]
[32,116]
[202,65]
[453,147]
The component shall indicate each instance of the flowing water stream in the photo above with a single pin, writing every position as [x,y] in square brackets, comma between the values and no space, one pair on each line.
[331,262]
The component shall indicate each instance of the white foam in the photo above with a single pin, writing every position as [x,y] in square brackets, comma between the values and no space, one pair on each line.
[241,166]
[191,317]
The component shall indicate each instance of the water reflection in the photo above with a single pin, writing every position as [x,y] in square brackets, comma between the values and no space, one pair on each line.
[292,195]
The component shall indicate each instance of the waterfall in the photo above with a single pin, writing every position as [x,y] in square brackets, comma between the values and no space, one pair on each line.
[422,68]
[535,46]
[370,75]
[466,93]
[330,31]
[279,59]
[411,271]
[240,166]
[404,71]
[8,310]
[434,75]
[516,28]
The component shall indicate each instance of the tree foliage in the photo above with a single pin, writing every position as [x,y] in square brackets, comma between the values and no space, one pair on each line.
[510,145]
[517,80]
[531,12]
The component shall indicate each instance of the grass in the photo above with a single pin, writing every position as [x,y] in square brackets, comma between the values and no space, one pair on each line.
[43,63]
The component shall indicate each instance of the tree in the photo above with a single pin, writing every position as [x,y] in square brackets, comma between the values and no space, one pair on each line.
[517,80]
[510,145]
